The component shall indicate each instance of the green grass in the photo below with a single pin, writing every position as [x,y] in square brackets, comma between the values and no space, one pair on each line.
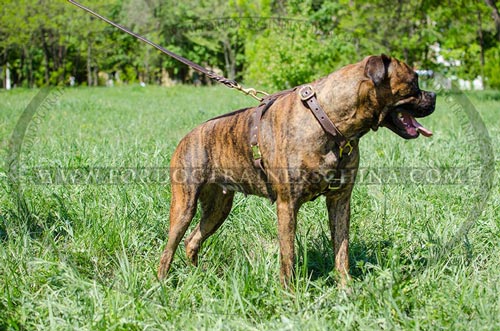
[84,256]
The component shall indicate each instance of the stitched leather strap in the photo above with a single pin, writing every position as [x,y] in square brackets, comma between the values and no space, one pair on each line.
[254,130]
[308,96]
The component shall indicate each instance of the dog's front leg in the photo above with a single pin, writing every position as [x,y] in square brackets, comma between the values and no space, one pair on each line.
[339,212]
[287,220]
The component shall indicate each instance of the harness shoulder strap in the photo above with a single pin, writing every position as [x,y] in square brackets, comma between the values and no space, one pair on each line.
[308,96]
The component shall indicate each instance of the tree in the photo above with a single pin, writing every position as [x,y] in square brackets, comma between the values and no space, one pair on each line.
[272,43]
[496,15]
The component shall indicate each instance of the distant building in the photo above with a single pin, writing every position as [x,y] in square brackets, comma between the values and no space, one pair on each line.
[476,84]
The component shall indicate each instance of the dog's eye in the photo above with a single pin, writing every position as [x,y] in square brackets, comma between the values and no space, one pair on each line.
[413,91]
[412,94]
[408,93]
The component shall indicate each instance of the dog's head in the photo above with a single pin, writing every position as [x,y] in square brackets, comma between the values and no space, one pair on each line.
[397,90]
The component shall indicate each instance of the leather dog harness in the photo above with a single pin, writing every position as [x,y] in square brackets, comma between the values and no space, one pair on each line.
[308,97]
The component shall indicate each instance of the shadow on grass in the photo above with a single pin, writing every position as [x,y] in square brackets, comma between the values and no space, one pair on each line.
[317,262]
[24,217]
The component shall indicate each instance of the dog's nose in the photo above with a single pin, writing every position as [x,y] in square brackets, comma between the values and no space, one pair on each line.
[430,97]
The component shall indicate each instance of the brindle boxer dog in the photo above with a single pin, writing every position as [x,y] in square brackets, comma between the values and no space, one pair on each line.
[215,159]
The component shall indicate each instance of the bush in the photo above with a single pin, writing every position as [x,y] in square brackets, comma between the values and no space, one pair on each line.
[492,67]
[283,59]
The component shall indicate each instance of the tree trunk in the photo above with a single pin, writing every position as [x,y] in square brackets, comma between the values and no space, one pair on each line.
[481,44]
[4,68]
[146,67]
[481,41]
[62,57]
[95,76]
[230,59]
[89,62]
[30,67]
[22,72]
[46,53]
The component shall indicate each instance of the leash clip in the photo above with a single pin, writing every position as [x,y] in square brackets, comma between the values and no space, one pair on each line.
[347,145]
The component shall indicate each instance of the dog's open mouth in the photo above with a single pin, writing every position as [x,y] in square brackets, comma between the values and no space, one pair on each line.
[408,123]
[405,125]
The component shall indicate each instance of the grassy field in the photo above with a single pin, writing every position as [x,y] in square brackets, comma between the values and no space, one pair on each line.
[425,252]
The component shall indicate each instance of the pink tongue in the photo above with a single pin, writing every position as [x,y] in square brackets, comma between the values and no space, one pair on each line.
[426,132]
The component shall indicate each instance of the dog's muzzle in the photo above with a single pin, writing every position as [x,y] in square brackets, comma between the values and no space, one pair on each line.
[401,117]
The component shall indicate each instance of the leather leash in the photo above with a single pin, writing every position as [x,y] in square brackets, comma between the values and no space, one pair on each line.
[212,75]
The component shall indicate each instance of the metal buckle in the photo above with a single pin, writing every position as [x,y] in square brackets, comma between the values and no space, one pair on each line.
[306,92]
[331,186]
[337,182]
[341,149]
[256,152]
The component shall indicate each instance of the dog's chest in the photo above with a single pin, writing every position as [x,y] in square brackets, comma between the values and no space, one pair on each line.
[327,168]
[317,168]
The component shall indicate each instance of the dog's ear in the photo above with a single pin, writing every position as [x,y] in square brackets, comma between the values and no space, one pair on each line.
[376,68]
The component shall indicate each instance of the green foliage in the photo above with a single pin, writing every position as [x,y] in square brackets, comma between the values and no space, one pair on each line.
[46,42]
[492,67]
[280,59]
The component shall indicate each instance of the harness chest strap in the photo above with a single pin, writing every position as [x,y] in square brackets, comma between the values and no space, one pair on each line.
[266,102]
[254,130]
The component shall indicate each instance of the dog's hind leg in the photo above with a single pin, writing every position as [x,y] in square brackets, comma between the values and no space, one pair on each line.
[182,211]
[215,207]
